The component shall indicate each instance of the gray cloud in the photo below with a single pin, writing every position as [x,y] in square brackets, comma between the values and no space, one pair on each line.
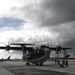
[50,12]
[58,16]
[20,39]
[71,44]
[62,11]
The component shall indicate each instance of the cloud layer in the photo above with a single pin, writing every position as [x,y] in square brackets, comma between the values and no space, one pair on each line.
[44,21]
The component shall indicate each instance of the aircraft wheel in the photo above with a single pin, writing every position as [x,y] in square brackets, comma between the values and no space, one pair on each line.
[27,64]
[37,64]
[41,64]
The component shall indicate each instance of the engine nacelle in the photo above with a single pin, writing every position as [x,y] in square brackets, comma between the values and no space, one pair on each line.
[7,47]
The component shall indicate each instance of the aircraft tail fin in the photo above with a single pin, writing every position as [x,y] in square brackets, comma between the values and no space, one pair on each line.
[8,58]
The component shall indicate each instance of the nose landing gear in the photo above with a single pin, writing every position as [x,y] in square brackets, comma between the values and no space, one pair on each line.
[27,64]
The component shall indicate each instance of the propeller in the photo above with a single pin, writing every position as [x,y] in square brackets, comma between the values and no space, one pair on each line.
[7,46]
[58,49]
[58,44]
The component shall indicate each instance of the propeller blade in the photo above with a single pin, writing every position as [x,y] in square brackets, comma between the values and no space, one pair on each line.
[7,46]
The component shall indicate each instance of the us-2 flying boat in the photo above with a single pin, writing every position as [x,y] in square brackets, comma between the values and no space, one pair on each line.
[33,55]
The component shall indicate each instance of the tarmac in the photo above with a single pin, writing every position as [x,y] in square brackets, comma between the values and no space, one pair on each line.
[49,68]
[5,72]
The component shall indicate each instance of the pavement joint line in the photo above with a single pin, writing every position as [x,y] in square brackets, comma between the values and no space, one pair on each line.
[51,69]
[5,72]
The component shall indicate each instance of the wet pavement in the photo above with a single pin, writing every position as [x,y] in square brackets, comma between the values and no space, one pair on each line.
[19,68]
[28,70]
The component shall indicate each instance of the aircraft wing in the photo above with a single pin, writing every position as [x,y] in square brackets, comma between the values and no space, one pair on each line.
[21,44]
[1,47]
[61,48]
[14,48]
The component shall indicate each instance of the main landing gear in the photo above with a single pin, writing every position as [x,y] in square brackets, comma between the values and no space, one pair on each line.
[27,64]
[39,64]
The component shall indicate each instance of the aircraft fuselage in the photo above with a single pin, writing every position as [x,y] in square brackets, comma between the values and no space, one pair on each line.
[36,56]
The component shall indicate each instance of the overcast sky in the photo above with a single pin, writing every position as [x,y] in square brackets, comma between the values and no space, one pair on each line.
[38,21]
